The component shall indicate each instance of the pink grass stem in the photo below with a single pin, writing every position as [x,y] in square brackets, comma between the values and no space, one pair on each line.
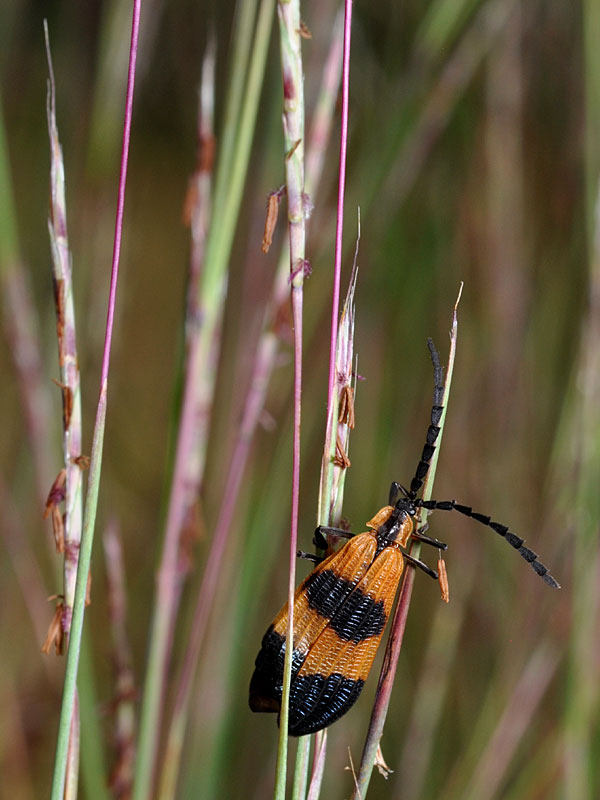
[318,768]
[386,682]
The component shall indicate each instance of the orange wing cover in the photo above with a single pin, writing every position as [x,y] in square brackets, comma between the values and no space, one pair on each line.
[340,611]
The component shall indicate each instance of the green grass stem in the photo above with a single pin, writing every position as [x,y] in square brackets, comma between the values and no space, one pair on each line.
[85,556]
[202,371]
[392,653]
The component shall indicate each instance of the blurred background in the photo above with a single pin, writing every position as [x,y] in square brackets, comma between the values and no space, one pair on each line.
[474,146]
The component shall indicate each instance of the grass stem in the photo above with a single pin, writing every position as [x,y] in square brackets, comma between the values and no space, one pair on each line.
[87,538]
[394,645]
[288,13]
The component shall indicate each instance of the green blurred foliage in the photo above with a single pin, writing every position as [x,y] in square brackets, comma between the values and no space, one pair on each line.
[466,157]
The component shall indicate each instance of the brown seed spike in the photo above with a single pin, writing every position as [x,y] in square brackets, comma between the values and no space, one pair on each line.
[88,590]
[304,31]
[443,580]
[55,634]
[67,398]
[340,459]
[271,220]
[293,148]
[346,410]
[59,300]
[58,529]
[206,156]
[57,492]
[383,768]
[67,394]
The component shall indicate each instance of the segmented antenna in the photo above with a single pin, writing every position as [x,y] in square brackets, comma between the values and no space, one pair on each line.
[451,505]
[434,429]
[514,540]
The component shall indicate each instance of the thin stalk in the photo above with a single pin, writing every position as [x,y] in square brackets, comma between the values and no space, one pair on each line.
[301,768]
[196,409]
[340,421]
[340,378]
[334,464]
[293,130]
[430,692]
[186,475]
[266,514]
[318,769]
[72,776]
[264,363]
[394,645]
[287,670]
[60,764]
[198,202]
[69,542]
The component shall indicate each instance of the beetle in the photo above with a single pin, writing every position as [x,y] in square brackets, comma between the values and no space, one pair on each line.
[342,606]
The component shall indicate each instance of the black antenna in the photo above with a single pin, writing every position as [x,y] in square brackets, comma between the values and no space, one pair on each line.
[502,530]
[434,429]
[450,505]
